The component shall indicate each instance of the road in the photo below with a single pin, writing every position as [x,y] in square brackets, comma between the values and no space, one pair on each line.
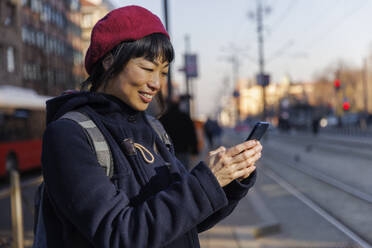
[317,188]
[311,191]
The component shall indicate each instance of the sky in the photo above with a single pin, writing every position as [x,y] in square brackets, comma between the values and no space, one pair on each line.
[301,39]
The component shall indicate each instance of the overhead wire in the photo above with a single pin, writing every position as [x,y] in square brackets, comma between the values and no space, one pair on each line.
[242,24]
[312,24]
[284,15]
[337,24]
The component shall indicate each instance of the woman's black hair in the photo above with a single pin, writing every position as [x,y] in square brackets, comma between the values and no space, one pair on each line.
[151,47]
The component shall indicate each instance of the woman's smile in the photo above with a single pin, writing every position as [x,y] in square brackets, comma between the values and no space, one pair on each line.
[147,98]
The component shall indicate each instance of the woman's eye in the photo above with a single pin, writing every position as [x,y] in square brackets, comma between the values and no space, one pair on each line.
[147,69]
[165,73]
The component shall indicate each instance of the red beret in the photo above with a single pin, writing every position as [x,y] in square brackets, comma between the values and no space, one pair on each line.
[126,23]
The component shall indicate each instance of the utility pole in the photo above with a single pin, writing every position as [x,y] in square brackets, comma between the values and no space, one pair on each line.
[261,61]
[233,57]
[235,63]
[169,83]
[365,86]
[187,79]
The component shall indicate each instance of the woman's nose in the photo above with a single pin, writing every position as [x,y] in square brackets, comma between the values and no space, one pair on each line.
[154,83]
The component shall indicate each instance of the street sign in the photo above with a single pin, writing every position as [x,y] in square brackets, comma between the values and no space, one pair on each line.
[191,66]
[263,79]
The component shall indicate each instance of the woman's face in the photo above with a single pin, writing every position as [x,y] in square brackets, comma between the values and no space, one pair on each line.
[138,82]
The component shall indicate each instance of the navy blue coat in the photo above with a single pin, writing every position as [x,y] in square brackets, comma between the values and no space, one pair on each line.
[143,205]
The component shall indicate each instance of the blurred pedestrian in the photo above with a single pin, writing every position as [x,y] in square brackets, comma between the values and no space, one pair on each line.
[150,200]
[213,131]
[315,125]
[182,131]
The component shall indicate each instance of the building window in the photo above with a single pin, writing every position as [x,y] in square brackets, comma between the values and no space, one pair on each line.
[24,2]
[46,13]
[36,6]
[32,72]
[10,60]
[33,37]
[9,14]
[40,38]
[74,5]
[24,34]
[1,58]
[78,58]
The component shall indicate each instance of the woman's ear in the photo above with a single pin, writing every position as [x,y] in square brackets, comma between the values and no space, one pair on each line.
[108,61]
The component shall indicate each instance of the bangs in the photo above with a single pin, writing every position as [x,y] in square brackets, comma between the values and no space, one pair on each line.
[154,47]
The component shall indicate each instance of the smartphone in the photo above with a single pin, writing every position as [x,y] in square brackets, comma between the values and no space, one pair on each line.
[258,130]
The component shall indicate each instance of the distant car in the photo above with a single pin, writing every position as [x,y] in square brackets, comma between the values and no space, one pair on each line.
[329,121]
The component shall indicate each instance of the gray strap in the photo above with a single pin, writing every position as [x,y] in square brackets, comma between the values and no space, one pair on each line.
[159,129]
[100,145]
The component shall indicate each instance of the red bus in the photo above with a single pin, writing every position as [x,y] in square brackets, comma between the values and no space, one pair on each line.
[22,122]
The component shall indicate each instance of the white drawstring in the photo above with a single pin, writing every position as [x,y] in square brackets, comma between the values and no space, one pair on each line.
[141,148]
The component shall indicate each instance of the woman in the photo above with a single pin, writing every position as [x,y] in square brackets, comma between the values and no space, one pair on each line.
[151,200]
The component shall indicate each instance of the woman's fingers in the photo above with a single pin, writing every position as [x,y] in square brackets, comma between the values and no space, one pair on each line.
[236,162]
[246,163]
[247,154]
[219,149]
[244,173]
[235,150]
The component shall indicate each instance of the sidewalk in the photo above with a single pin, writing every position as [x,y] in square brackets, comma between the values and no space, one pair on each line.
[241,229]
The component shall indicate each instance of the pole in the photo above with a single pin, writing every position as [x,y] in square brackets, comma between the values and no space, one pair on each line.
[261,61]
[365,86]
[187,79]
[16,206]
[235,69]
[169,80]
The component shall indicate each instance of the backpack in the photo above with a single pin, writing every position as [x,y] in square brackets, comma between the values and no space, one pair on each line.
[102,150]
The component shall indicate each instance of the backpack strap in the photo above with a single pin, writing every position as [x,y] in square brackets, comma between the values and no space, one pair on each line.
[99,144]
[96,138]
[160,131]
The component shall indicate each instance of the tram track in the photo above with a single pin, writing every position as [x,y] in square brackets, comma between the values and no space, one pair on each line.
[359,148]
[344,165]
[328,180]
[337,191]
[355,237]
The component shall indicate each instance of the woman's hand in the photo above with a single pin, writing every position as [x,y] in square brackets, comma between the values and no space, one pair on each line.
[236,162]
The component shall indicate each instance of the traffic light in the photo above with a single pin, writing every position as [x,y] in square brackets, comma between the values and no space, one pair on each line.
[337,84]
[346,105]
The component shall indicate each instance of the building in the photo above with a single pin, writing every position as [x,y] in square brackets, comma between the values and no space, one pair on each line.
[92,11]
[10,43]
[51,54]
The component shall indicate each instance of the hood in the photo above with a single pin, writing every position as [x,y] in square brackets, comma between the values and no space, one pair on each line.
[58,106]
